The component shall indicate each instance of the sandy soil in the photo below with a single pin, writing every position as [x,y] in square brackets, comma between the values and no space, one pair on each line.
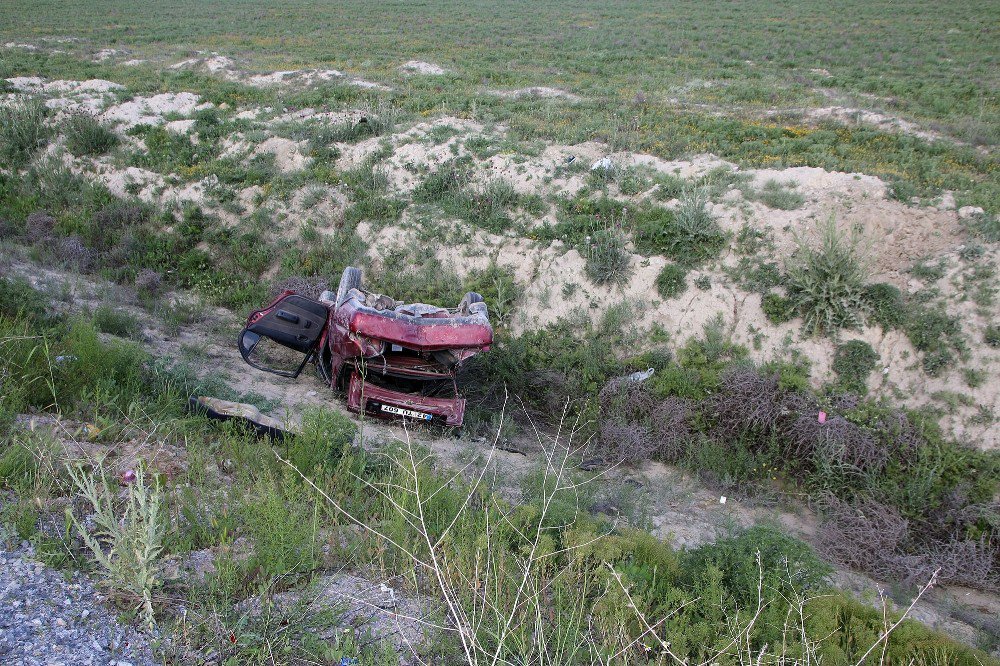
[896,234]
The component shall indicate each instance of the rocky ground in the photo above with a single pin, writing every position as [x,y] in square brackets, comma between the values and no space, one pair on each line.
[51,619]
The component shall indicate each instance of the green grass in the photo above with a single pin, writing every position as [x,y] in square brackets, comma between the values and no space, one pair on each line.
[759,54]
[22,131]
[672,281]
[85,135]
[853,362]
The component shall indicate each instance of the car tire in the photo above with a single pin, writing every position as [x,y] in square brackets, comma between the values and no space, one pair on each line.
[351,279]
[467,300]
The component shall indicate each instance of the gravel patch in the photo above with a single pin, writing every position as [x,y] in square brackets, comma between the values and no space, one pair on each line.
[49,619]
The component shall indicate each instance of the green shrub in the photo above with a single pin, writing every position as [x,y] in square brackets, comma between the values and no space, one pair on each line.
[18,299]
[991,336]
[498,288]
[826,283]
[324,256]
[787,563]
[18,466]
[632,182]
[168,152]
[114,321]
[22,131]
[489,209]
[928,272]
[985,226]
[886,304]
[690,235]
[754,274]
[672,281]
[903,190]
[781,197]
[608,262]
[777,308]
[851,627]
[85,135]
[369,188]
[935,333]
[324,436]
[669,186]
[710,354]
[91,366]
[853,362]
[281,524]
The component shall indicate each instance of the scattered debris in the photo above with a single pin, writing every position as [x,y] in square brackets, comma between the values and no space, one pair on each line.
[603,164]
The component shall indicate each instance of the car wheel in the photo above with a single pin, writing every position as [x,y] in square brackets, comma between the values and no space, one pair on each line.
[351,279]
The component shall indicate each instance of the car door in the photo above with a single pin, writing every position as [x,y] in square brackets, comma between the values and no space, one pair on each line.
[282,337]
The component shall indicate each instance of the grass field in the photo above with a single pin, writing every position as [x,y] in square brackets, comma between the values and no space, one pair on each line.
[926,59]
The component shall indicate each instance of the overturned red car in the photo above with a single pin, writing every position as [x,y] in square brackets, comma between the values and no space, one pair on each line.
[392,359]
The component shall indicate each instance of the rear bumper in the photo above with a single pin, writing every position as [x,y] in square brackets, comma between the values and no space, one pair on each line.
[367,398]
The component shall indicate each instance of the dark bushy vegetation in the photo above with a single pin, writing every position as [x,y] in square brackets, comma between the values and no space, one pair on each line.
[85,227]
[738,425]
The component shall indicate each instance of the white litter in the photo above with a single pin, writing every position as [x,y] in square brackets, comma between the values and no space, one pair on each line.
[640,376]
[604,163]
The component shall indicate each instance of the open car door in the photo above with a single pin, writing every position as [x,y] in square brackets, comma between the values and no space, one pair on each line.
[282,337]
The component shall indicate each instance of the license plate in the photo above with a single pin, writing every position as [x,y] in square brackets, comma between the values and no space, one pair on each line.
[406,412]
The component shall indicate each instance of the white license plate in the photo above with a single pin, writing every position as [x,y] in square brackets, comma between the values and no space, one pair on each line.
[406,412]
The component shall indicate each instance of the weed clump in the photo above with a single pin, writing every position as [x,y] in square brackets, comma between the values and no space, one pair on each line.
[22,131]
[826,283]
[935,333]
[116,322]
[672,281]
[148,282]
[127,537]
[38,226]
[72,252]
[991,336]
[985,226]
[18,299]
[853,362]
[886,304]
[85,135]
[779,196]
[690,235]
[777,308]
[607,258]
